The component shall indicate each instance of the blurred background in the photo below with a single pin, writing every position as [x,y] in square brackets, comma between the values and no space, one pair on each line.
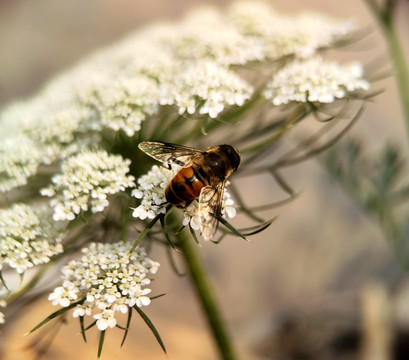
[303,289]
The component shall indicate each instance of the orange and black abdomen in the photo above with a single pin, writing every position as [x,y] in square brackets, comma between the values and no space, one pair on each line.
[185,186]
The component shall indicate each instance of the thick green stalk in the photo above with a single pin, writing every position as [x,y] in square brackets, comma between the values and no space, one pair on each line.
[203,290]
[385,18]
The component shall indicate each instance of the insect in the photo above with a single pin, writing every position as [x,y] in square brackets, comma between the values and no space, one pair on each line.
[202,176]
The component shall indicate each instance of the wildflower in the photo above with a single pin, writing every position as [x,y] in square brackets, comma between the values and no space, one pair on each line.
[301,36]
[19,159]
[109,279]
[58,134]
[85,183]
[314,80]
[207,88]
[147,54]
[205,35]
[123,102]
[27,237]
[151,191]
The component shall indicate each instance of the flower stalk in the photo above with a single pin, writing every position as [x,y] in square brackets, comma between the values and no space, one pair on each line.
[384,16]
[203,289]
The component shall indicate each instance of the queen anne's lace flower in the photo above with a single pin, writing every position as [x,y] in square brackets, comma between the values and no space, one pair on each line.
[314,80]
[206,88]
[19,159]
[151,191]
[124,103]
[109,279]
[28,237]
[281,35]
[85,183]
[205,34]
[58,135]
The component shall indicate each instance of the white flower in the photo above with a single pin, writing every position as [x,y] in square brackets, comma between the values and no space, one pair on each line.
[151,191]
[205,34]
[61,134]
[205,88]
[28,237]
[191,216]
[105,319]
[283,35]
[123,102]
[314,80]
[86,182]
[19,159]
[109,279]
[147,54]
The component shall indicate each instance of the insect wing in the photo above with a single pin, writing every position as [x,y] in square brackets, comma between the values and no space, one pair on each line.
[169,153]
[210,209]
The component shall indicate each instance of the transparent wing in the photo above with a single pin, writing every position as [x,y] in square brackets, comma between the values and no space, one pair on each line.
[210,209]
[169,153]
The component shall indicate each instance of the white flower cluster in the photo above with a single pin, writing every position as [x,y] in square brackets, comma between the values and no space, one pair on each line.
[109,279]
[151,191]
[19,159]
[206,88]
[27,237]
[205,34]
[124,103]
[58,135]
[41,130]
[186,66]
[85,183]
[282,35]
[191,214]
[314,80]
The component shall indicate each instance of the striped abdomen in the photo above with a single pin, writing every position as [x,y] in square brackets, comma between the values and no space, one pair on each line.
[185,186]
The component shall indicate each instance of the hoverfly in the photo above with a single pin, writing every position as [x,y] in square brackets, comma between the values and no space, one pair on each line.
[202,176]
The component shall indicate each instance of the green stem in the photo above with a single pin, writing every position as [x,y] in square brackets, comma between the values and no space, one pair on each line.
[203,289]
[31,283]
[385,19]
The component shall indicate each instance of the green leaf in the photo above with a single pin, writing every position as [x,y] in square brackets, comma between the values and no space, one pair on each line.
[193,235]
[162,223]
[101,343]
[90,325]
[315,151]
[232,228]
[82,328]
[55,314]
[128,322]
[144,232]
[258,228]
[151,327]
[283,184]
[173,262]
[157,296]
[221,237]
